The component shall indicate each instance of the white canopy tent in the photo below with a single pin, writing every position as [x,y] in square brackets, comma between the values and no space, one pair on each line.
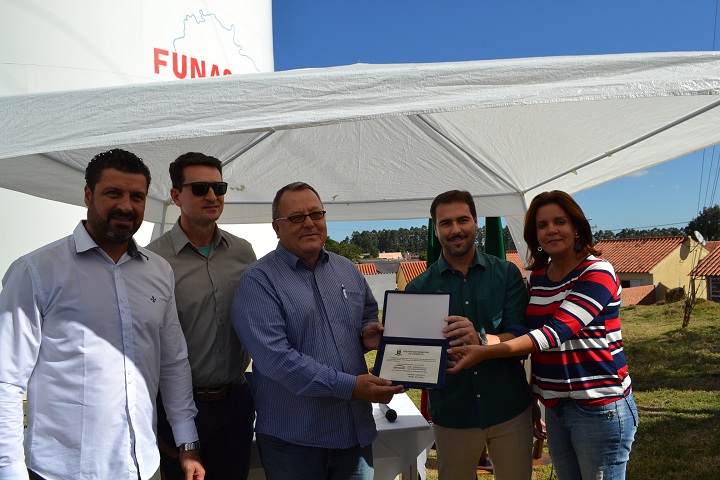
[379,141]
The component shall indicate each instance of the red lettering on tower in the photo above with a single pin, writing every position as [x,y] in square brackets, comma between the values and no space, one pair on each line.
[160,63]
[197,69]
[179,73]
[180,65]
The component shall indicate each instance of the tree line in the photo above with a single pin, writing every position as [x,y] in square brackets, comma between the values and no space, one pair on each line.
[414,240]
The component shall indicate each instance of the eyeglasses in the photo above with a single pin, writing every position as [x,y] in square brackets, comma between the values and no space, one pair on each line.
[200,189]
[300,217]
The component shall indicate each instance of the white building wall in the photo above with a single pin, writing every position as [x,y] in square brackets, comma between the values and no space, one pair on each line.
[379,283]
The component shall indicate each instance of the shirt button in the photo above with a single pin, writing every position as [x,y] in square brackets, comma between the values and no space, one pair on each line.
[478,395]
[467,302]
[474,373]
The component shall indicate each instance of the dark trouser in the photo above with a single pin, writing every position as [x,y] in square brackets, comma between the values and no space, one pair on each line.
[284,460]
[225,428]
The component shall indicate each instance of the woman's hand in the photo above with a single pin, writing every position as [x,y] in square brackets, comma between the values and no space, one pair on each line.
[463,357]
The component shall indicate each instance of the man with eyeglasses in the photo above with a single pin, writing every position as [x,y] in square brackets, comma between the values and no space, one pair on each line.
[207,263]
[307,316]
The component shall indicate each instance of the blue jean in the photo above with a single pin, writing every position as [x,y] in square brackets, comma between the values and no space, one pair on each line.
[282,460]
[591,442]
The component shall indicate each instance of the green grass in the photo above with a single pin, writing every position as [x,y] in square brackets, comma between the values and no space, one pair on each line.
[676,381]
[676,378]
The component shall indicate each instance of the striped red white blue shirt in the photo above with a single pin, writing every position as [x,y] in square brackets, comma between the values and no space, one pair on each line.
[576,331]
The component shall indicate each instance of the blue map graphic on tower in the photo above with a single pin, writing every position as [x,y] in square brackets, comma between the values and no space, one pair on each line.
[201,31]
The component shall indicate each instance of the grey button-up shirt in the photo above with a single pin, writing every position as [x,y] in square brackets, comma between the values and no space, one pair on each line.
[204,289]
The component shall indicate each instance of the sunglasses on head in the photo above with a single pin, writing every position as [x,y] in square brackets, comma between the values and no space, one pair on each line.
[200,189]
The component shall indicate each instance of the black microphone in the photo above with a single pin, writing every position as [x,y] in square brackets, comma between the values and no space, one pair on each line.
[390,414]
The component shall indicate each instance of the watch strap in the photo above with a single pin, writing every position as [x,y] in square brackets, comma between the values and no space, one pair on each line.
[189,447]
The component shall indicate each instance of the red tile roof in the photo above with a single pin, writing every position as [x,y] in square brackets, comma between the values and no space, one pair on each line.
[711,245]
[638,255]
[367,268]
[514,257]
[708,266]
[412,269]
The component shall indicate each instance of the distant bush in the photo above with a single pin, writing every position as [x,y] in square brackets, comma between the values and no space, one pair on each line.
[675,295]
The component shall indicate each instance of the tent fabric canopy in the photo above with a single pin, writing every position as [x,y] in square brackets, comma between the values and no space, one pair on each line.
[379,141]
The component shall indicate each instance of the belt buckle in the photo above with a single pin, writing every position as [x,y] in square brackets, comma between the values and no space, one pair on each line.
[212,394]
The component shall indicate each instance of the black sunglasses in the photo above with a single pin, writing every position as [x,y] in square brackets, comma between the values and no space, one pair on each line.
[200,189]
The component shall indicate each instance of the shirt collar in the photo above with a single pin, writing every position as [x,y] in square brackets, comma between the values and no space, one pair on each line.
[84,242]
[294,261]
[478,260]
[180,239]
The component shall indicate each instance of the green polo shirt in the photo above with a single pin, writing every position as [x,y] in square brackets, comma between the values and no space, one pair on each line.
[493,296]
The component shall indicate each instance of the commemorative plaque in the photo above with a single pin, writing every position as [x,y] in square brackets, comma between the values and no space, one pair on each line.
[413,349]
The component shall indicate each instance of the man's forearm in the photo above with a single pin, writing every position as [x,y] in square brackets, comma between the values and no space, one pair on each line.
[176,389]
[12,454]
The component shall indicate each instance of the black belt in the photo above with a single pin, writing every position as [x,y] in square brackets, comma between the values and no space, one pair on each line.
[216,394]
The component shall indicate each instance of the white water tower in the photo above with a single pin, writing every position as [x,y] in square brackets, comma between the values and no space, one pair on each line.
[80,44]
[75,44]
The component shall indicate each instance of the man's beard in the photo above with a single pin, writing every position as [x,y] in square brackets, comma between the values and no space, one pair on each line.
[106,231]
[457,251]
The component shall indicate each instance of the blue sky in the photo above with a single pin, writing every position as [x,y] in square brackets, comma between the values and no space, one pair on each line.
[322,33]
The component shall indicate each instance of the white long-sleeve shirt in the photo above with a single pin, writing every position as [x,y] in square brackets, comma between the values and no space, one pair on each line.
[91,341]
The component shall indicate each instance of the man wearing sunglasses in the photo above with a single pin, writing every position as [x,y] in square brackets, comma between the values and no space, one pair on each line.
[207,263]
[306,317]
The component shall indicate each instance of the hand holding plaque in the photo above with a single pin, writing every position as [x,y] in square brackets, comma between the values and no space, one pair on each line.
[413,349]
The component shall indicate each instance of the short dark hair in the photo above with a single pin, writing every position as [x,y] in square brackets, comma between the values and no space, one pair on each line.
[538,259]
[290,187]
[177,167]
[119,160]
[453,196]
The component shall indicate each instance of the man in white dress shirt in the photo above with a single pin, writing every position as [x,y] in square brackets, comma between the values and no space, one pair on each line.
[89,328]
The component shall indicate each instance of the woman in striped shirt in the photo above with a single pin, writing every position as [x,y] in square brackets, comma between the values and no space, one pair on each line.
[579,371]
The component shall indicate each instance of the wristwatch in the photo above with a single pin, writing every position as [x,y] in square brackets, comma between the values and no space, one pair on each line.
[483,338]
[189,447]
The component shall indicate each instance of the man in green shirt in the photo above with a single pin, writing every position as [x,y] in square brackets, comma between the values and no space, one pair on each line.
[490,403]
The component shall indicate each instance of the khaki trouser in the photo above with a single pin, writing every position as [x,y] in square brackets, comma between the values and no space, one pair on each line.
[509,447]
